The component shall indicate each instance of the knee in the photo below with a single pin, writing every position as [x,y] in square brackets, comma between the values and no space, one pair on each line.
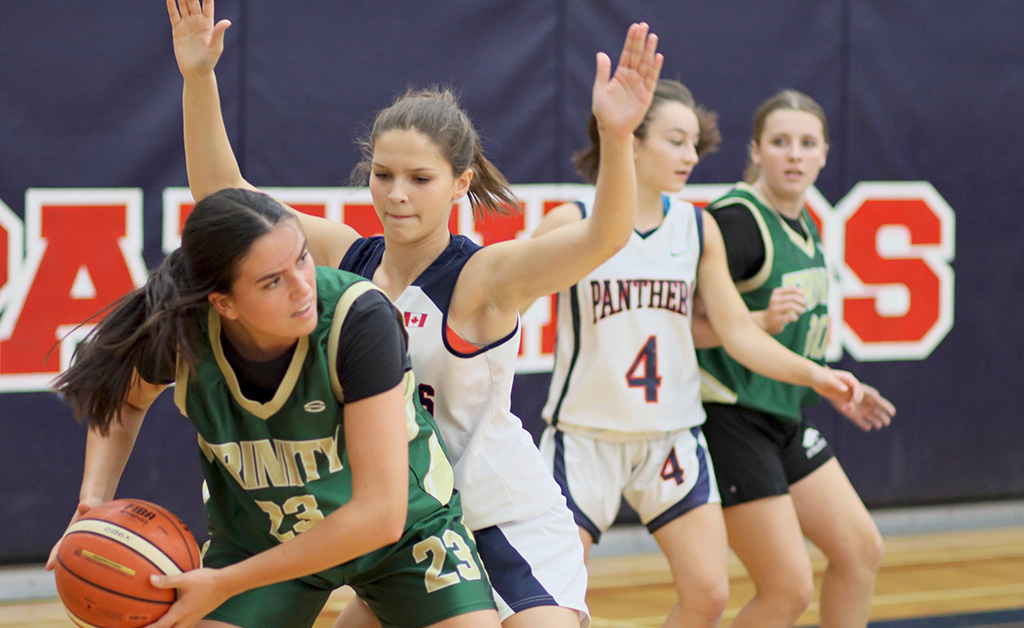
[707,601]
[713,600]
[789,598]
[862,555]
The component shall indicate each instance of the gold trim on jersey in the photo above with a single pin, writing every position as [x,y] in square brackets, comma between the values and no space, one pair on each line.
[181,372]
[803,242]
[765,271]
[714,391]
[284,389]
[341,309]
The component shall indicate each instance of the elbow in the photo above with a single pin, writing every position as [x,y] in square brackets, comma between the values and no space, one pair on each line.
[393,524]
[389,523]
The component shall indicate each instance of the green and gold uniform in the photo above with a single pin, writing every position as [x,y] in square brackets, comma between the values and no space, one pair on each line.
[790,259]
[274,469]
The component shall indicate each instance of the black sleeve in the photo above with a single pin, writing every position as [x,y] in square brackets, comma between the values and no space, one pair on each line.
[743,245]
[372,348]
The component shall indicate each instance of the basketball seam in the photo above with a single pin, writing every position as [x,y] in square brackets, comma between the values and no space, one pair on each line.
[114,592]
[73,530]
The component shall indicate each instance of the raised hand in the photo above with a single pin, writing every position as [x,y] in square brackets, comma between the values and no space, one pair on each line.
[198,41]
[621,101]
[873,412]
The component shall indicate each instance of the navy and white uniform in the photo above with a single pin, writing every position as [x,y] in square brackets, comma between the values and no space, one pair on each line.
[524,532]
[624,407]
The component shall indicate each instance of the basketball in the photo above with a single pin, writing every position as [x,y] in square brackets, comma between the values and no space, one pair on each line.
[106,558]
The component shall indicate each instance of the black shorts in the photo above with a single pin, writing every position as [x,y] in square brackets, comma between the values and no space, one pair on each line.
[757,455]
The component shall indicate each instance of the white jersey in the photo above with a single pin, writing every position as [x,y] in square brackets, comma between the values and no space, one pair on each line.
[624,359]
[498,469]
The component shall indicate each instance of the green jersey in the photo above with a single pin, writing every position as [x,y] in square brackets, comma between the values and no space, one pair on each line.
[275,469]
[790,259]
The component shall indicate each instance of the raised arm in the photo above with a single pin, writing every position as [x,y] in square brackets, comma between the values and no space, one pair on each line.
[750,345]
[508,275]
[209,160]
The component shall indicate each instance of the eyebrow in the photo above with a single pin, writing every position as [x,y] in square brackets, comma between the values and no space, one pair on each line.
[273,274]
[420,169]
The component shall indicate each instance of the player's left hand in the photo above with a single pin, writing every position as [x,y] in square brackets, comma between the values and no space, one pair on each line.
[198,41]
[200,591]
[621,101]
[873,412]
[839,387]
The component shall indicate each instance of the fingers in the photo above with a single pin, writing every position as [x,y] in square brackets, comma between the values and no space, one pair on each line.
[604,69]
[193,7]
[650,69]
[164,582]
[633,46]
[51,561]
[172,11]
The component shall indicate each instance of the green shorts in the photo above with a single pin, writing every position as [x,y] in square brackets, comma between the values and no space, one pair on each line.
[432,573]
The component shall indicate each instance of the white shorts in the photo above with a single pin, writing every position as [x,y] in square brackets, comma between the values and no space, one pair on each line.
[536,562]
[662,478]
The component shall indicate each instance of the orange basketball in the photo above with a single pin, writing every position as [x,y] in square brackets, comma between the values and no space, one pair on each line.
[106,558]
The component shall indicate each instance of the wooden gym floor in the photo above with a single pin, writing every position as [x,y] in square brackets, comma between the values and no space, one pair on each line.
[930,575]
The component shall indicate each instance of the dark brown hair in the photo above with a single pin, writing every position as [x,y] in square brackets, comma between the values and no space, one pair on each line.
[588,160]
[436,113]
[160,320]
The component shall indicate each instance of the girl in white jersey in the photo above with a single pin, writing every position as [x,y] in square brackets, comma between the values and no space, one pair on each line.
[461,301]
[624,408]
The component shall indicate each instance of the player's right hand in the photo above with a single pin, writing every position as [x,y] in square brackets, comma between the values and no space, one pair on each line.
[83,507]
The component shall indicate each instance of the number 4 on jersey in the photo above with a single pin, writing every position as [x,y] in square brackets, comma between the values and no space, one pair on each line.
[643,373]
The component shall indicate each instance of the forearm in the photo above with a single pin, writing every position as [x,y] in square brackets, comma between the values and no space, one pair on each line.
[752,347]
[106,457]
[351,531]
[209,160]
[614,210]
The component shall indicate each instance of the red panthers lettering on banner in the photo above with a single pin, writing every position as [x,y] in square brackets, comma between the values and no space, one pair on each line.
[890,246]
[83,251]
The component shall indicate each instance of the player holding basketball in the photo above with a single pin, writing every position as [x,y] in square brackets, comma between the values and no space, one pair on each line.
[321,467]
[778,478]
[624,407]
[422,155]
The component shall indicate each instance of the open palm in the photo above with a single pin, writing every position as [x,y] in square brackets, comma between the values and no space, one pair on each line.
[198,42]
[621,101]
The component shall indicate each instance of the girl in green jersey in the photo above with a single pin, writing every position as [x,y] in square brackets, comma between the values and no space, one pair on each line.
[778,478]
[321,467]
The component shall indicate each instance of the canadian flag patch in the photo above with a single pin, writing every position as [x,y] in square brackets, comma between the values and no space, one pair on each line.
[415,319]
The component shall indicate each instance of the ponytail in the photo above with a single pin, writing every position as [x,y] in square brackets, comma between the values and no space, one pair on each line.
[159,322]
[150,323]
[489,191]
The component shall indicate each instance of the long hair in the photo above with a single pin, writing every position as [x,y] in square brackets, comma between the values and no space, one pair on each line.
[160,320]
[588,160]
[436,113]
[787,99]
